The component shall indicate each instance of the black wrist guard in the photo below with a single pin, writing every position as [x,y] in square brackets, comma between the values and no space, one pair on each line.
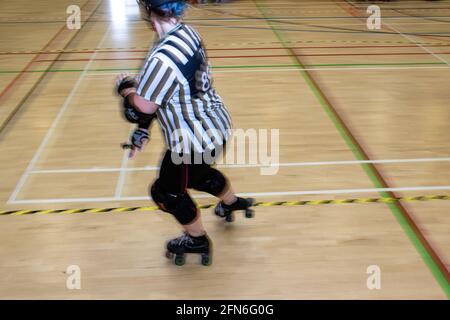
[143,120]
[127,82]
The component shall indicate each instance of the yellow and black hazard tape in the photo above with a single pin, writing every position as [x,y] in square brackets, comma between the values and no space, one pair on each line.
[257,204]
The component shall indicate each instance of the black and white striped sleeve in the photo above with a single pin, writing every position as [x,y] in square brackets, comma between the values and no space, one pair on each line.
[158,82]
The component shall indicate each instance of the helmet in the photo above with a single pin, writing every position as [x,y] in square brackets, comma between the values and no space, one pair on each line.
[153,5]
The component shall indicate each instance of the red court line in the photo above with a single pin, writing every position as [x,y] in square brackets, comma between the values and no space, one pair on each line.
[261,56]
[23,71]
[402,207]
[35,85]
[230,49]
[353,11]
[327,47]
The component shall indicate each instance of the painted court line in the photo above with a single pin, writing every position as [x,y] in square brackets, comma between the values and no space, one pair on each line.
[411,229]
[286,164]
[262,68]
[303,69]
[53,126]
[123,169]
[243,194]
[318,18]
[419,45]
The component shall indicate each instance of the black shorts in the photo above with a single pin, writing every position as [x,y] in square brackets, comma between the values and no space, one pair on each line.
[178,177]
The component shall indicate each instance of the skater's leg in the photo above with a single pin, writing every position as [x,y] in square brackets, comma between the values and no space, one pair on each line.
[180,205]
[228,196]
[185,211]
[195,228]
[215,183]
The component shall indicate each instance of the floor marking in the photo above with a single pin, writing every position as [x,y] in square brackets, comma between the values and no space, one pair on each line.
[307,69]
[212,46]
[242,194]
[419,45]
[257,204]
[13,112]
[224,166]
[318,67]
[123,168]
[53,126]
[429,256]
[253,57]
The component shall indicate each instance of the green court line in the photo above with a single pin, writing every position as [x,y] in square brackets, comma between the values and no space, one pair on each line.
[407,228]
[247,67]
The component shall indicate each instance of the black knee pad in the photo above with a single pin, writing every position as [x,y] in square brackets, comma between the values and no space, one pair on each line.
[180,205]
[213,183]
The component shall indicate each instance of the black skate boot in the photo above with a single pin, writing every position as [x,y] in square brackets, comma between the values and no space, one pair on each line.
[178,247]
[226,211]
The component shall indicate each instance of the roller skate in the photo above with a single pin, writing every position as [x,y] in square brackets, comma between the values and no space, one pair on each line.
[178,248]
[226,211]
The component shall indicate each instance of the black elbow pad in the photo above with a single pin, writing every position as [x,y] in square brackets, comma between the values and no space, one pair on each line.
[132,115]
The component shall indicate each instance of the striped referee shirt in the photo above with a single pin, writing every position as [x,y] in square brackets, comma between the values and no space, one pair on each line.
[177,77]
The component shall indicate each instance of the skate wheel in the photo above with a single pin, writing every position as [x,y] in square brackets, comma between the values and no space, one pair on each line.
[169,255]
[179,260]
[229,218]
[249,214]
[206,260]
[217,213]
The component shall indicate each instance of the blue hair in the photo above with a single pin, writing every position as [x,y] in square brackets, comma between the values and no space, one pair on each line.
[177,8]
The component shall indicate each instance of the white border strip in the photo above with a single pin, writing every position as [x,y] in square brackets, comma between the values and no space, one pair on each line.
[287,164]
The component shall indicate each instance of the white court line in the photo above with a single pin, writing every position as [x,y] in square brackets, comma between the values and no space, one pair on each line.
[54,124]
[250,194]
[122,169]
[419,45]
[286,164]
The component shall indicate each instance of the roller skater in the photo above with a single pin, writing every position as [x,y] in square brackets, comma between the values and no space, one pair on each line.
[175,87]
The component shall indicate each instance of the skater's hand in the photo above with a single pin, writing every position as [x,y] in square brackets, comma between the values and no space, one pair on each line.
[139,139]
[125,84]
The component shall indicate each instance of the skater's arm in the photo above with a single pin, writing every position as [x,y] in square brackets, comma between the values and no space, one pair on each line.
[141,104]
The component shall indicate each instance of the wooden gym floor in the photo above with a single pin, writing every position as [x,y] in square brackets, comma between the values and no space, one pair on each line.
[361,114]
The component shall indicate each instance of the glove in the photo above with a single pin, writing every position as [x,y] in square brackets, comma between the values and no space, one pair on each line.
[124,81]
[139,138]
